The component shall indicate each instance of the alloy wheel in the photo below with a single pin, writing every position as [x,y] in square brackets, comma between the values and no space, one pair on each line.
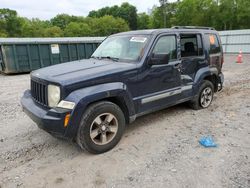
[103,129]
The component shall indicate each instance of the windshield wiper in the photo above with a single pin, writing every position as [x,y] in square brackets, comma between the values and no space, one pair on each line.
[94,57]
[106,57]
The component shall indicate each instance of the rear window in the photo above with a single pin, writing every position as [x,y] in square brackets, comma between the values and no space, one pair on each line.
[213,44]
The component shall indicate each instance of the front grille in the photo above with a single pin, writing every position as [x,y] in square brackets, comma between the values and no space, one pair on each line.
[39,92]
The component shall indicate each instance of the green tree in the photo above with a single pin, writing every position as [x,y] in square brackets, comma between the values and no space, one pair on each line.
[10,23]
[3,33]
[34,28]
[143,21]
[126,11]
[62,20]
[53,31]
[197,13]
[156,19]
[228,10]
[221,14]
[129,13]
[104,11]
[107,25]
[164,15]
[187,12]
[243,14]
[75,29]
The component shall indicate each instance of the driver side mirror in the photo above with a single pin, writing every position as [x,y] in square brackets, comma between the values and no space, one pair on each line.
[159,59]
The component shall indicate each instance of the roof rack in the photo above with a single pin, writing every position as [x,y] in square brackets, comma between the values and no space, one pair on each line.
[192,27]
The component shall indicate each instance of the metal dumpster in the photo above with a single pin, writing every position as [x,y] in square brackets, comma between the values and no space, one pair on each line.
[19,55]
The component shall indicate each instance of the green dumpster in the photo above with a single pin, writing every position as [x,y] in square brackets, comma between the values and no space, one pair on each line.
[20,55]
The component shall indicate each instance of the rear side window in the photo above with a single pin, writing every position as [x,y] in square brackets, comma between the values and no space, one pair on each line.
[191,45]
[213,44]
[166,45]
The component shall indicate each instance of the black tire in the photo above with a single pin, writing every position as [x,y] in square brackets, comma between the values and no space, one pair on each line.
[94,111]
[196,103]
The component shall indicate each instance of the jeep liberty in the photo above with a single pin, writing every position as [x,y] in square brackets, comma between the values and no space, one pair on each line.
[129,75]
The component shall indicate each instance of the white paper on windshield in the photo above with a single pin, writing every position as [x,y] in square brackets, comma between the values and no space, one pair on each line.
[138,39]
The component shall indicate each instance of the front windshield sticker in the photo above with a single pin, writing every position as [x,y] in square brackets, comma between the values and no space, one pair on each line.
[138,39]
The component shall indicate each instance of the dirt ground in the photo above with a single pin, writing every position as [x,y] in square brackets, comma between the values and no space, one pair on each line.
[157,150]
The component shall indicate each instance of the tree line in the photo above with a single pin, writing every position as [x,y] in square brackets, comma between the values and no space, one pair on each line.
[220,14]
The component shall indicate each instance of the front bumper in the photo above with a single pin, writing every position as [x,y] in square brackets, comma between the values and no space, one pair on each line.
[50,120]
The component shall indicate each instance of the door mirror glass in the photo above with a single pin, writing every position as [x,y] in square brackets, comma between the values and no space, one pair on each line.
[159,59]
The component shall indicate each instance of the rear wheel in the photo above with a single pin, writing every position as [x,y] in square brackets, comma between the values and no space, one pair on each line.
[101,127]
[204,97]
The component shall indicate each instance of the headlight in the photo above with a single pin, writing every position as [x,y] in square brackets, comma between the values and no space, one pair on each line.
[53,95]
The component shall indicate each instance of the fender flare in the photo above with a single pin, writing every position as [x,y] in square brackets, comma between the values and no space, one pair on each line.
[85,96]
[201,74]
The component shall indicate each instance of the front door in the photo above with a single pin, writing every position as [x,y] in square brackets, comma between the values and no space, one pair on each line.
[159,85]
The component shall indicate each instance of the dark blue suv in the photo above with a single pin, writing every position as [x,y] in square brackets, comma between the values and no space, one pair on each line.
[129,75]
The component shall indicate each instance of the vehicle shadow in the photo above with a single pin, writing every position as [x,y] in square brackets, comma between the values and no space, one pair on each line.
[155,117]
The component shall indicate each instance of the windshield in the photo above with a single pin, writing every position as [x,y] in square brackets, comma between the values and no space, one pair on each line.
[122,48]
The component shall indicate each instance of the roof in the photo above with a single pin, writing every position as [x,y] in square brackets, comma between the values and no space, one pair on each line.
[51,40]
[165,30]
[138,32]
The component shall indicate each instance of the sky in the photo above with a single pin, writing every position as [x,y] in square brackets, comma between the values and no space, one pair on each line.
[46,9]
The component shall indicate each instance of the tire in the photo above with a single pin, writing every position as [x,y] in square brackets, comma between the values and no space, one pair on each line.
[101,127]
[200,102]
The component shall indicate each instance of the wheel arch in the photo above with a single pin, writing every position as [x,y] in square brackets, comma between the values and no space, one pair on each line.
[214,80]
[116,93]
[119,101]
[207,73]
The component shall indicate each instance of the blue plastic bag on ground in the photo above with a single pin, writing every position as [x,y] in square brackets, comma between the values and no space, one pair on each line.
[207,142]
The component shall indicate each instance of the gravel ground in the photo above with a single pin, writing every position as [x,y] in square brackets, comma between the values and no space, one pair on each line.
[157,150]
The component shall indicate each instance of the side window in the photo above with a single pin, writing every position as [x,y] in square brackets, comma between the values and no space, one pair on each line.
[191,45]
[213,44]
[166,45]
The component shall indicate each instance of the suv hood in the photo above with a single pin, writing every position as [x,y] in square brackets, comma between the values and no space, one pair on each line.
[76,71]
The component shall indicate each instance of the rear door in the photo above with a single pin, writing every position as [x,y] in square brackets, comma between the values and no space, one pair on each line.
[192,59]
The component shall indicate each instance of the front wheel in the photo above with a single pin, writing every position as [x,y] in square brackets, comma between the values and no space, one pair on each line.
[205,96]
[101,127]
